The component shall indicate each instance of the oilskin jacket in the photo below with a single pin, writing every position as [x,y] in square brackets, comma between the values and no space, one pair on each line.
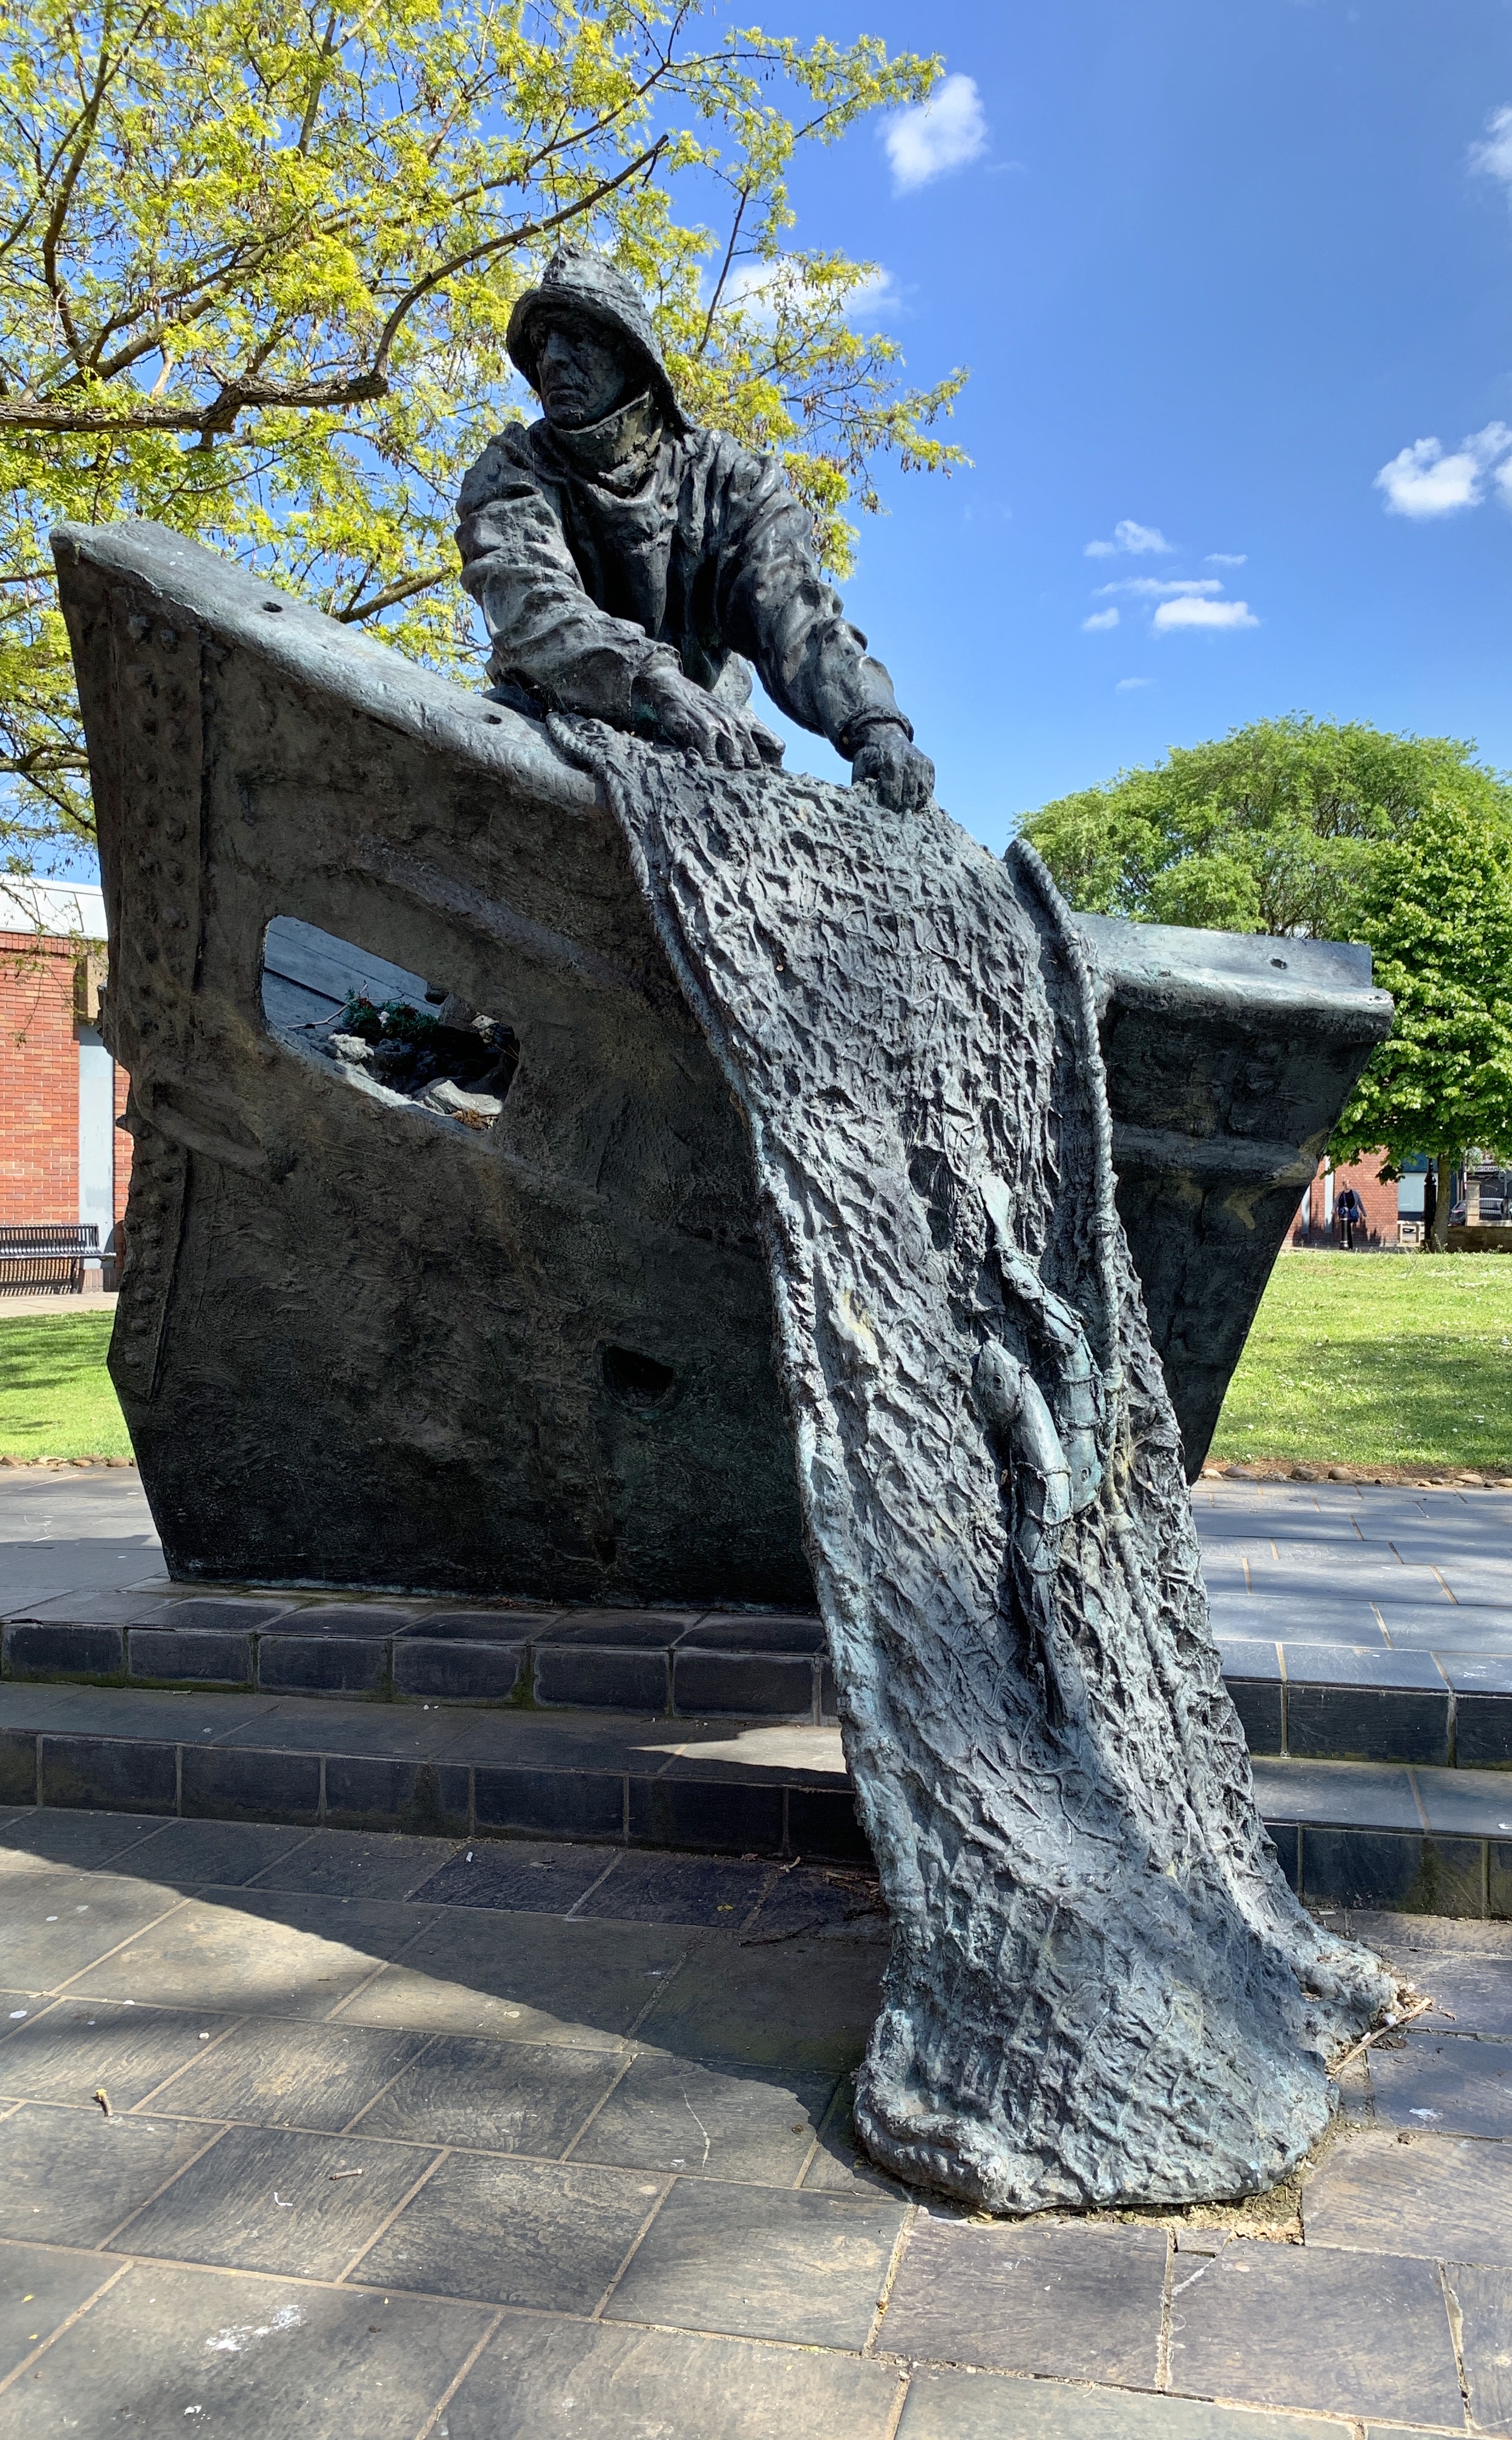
[595,554]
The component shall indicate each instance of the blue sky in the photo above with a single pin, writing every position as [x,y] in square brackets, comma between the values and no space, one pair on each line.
[1213,269]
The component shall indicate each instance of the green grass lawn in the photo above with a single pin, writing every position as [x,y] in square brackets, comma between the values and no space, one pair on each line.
[1355,1359]
[55,1394]
[1378,1359]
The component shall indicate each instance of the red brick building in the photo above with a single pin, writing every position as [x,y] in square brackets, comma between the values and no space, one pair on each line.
[62,1159]
[1385,1211]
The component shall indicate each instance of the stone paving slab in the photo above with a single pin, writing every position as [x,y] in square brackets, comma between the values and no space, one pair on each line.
[625,2382]
[967,2405]
[245,2357]
[1290,2325]
[1446,2082]
[1429,2195]
[630,2185]
[1068,2302]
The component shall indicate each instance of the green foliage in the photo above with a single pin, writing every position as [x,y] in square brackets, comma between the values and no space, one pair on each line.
[360,1017]
[1378,1359]
[1276,828]
[256,262]
[395,1021]
[1437,913]
[1336,833]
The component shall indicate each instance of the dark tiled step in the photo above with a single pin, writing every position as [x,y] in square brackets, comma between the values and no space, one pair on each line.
[1419,1842]
[1348,1834]
[1329,1702]
[685,1664]
[1310,1702]
[731,1789]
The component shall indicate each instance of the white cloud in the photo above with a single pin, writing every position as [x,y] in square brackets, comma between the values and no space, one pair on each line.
[1227,558]
[1100,619]
[932,136]
[875,295]
[754,285]
[1127,686]
[1149,588]
[760,289]
[1128,535]
[1427,481]
[1495,155]
[1191,610]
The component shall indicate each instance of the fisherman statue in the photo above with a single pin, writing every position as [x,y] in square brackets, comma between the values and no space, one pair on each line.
[630,566]
[1100,1989]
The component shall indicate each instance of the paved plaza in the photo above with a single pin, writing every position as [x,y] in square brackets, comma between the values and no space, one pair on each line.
[1363,1565]
[405,2138]
[497,2136]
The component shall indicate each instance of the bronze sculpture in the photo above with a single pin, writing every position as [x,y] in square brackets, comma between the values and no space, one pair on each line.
[628,566]
[1100,1988]
[754,1015]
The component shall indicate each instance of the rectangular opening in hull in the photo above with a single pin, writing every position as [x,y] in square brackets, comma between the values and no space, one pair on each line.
[386,1031]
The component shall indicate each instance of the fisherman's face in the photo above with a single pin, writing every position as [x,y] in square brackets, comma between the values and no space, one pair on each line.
[581,373]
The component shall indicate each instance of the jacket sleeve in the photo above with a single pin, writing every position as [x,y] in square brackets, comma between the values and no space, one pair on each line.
[775,606]
[547,635]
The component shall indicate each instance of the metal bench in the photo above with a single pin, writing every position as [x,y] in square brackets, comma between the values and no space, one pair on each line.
[47,1254]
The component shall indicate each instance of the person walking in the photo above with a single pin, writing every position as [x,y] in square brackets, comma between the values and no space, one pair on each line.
[1350,1213]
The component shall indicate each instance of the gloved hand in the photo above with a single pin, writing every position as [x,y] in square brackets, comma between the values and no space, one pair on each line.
[685,714]
[903,776]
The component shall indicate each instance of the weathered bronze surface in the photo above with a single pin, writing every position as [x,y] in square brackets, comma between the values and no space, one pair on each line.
[362,1343]
[648,1083]
[634,568]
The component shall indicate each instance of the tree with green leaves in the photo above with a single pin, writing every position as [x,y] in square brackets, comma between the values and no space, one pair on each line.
[1437,913]
[256,262]
[1279,827]
[1334,832]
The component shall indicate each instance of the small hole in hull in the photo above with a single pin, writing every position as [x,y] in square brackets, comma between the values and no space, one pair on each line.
[635,1380]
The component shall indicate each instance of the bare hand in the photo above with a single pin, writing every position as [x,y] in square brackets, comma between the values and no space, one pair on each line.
[903,776]
[687,715]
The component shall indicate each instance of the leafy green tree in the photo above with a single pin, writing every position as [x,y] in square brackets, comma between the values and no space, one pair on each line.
[1334,832]
[1278,827]
[1437,913]
[257,262]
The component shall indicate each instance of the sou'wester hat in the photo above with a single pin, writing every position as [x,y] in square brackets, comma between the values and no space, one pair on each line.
[582,283]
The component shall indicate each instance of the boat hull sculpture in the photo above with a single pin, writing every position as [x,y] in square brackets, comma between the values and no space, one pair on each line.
[728,1051]
[362,1343]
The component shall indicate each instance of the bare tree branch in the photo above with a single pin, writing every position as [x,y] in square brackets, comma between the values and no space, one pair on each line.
[724,269]
[72,134]
[317,84]
[392,593]
[522,235]
[58,216]
[147,415]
